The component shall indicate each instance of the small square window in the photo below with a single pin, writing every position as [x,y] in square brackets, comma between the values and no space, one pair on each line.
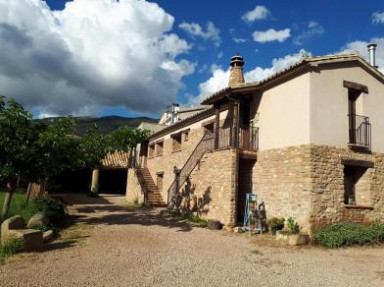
[186,135]
[176,143]
[159,148]
[151,151]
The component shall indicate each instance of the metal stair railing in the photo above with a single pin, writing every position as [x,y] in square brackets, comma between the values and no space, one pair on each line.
[206,144]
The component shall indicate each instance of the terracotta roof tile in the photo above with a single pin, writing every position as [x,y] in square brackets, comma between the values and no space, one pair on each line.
[117,159]
[303,61]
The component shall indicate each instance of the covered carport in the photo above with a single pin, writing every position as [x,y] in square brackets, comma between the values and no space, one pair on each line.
[112,176]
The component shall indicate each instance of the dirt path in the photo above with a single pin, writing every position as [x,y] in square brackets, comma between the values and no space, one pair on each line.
[113,244]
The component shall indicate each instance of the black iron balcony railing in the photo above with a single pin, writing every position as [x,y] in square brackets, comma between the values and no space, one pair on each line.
[359,131]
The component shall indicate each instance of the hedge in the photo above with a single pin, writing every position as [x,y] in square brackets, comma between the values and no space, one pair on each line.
[346,234]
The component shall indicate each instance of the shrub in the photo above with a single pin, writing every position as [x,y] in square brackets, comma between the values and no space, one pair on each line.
[293,228]
[346,234]
[189,217]
[50,206]
[276,223]
[11,247]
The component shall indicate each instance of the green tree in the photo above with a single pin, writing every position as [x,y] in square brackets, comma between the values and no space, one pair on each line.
[16,136]
[126,139]
[94,147]
[56,149]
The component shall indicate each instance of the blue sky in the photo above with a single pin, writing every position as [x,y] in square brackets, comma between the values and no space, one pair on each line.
[130,58]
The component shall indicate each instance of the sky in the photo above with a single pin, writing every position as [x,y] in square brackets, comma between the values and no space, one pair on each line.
[135,57]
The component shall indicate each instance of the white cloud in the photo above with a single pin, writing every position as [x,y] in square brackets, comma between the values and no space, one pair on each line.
[259,13]
[91,55]
[220,77]
[271,35]
[195,30]
[361,48]
[378,17]
[239,40]
[313,28]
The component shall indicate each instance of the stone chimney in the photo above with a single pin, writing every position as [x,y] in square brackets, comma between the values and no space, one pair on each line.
[236,76]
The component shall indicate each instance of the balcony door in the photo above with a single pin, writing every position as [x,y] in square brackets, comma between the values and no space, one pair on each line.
[352,97]
[245,133]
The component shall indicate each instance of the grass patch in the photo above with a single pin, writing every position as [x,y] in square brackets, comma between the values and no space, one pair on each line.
[256,252]
[199,222]
[53,208]
[347,234]
[18,205]
[10,248]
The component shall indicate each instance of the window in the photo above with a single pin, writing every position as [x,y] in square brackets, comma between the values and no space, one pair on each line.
[159,148]
[151,152]
[357,179]
[159,181]
[176,142]
[186,135]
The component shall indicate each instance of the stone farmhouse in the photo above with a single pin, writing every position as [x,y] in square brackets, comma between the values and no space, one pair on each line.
[308,140]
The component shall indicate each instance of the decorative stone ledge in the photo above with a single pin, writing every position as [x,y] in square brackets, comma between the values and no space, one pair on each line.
[353,206]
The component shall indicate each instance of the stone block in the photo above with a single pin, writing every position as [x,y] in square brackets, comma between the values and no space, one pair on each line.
[39,219]
[214,225]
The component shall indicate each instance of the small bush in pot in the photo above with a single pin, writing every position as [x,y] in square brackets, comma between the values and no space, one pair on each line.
[275,223]
[292,225]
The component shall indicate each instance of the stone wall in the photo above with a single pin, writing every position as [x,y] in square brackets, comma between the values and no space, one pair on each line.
[282,180]
[169,159]
[327,173]
[134,191]
[213,183]
[307,183]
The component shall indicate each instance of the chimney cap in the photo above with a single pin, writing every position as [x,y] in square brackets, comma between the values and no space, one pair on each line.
[374,45]
[236,60]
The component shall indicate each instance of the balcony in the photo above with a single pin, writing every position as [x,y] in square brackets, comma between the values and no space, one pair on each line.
[247,138]
[359,132]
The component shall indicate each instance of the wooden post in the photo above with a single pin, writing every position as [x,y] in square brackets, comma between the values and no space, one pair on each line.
[235,129]
[95,181]
[231,114]
[217,128]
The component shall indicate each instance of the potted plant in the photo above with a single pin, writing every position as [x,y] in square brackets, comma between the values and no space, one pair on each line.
[275,223]
[291,234]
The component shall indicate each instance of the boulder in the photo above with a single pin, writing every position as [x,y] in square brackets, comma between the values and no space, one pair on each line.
[48,235]
[39,219]
[214,225]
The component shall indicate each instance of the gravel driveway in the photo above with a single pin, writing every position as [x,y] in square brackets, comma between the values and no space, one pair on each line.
[112,244]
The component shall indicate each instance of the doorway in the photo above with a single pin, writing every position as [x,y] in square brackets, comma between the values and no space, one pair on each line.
[244,186]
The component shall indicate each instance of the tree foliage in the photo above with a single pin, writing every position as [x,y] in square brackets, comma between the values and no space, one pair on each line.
[56,149]
[94,147]
[15,131]
[37,152]
[125,138]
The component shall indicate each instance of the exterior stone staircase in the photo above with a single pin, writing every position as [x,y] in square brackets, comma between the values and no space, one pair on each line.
[153,195]
[206,144]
